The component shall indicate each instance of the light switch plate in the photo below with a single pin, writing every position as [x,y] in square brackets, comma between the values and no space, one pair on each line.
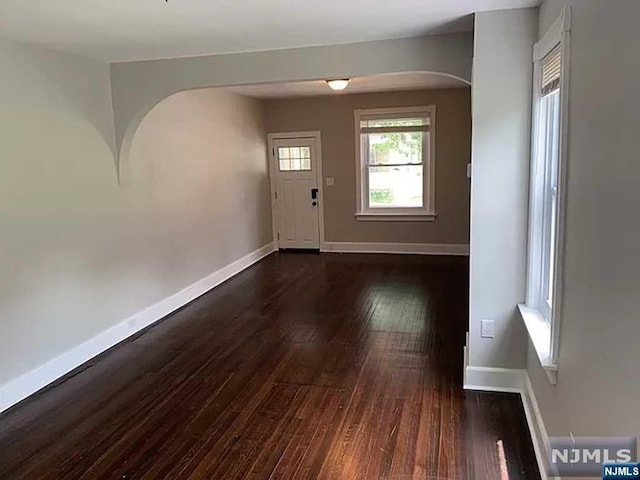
[330,181]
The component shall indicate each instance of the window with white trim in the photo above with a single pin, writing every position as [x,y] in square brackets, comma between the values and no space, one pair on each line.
[545,181]
[546,202]
[395,162]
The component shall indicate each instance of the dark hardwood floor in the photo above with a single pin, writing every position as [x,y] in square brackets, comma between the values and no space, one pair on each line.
[302,367]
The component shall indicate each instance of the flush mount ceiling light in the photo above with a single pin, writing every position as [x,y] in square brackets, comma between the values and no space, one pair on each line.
[340,84]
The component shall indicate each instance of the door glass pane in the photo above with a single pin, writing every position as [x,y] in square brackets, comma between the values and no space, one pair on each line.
[291,159]
[395,148]
[399,186]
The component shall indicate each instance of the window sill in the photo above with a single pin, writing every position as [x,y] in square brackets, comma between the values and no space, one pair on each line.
[395,217]
[540,334]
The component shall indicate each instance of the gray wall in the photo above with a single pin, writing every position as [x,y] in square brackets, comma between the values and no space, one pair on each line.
[138,86]
[597,391]
[501,96]
[79,253]
[334,117]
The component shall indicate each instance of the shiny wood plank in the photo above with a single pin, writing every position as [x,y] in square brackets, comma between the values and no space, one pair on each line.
[305,366]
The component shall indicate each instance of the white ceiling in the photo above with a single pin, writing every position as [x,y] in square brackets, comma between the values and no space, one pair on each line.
[121,30]
[373,83]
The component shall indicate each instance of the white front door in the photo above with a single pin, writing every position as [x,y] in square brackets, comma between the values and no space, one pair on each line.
[294,164]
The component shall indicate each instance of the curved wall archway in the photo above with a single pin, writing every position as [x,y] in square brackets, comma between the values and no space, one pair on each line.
[138,86]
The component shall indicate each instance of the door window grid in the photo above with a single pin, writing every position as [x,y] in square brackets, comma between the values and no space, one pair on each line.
[292,159]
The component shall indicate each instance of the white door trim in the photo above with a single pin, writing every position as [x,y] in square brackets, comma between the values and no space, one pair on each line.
[271,137]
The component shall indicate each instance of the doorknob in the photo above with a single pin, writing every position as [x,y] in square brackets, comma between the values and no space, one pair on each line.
[314,193]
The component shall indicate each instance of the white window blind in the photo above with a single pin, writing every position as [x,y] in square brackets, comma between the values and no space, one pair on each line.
[551,68]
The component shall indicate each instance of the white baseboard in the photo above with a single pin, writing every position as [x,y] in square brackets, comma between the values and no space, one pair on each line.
[494,379]
[406,248]
[538,431]
[32,381]
[514,381]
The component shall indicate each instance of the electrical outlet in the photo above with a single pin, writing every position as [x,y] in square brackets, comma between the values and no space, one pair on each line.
[486,328]
[330,181]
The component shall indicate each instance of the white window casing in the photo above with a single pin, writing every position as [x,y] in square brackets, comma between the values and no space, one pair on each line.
[371,122]
[549,150]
